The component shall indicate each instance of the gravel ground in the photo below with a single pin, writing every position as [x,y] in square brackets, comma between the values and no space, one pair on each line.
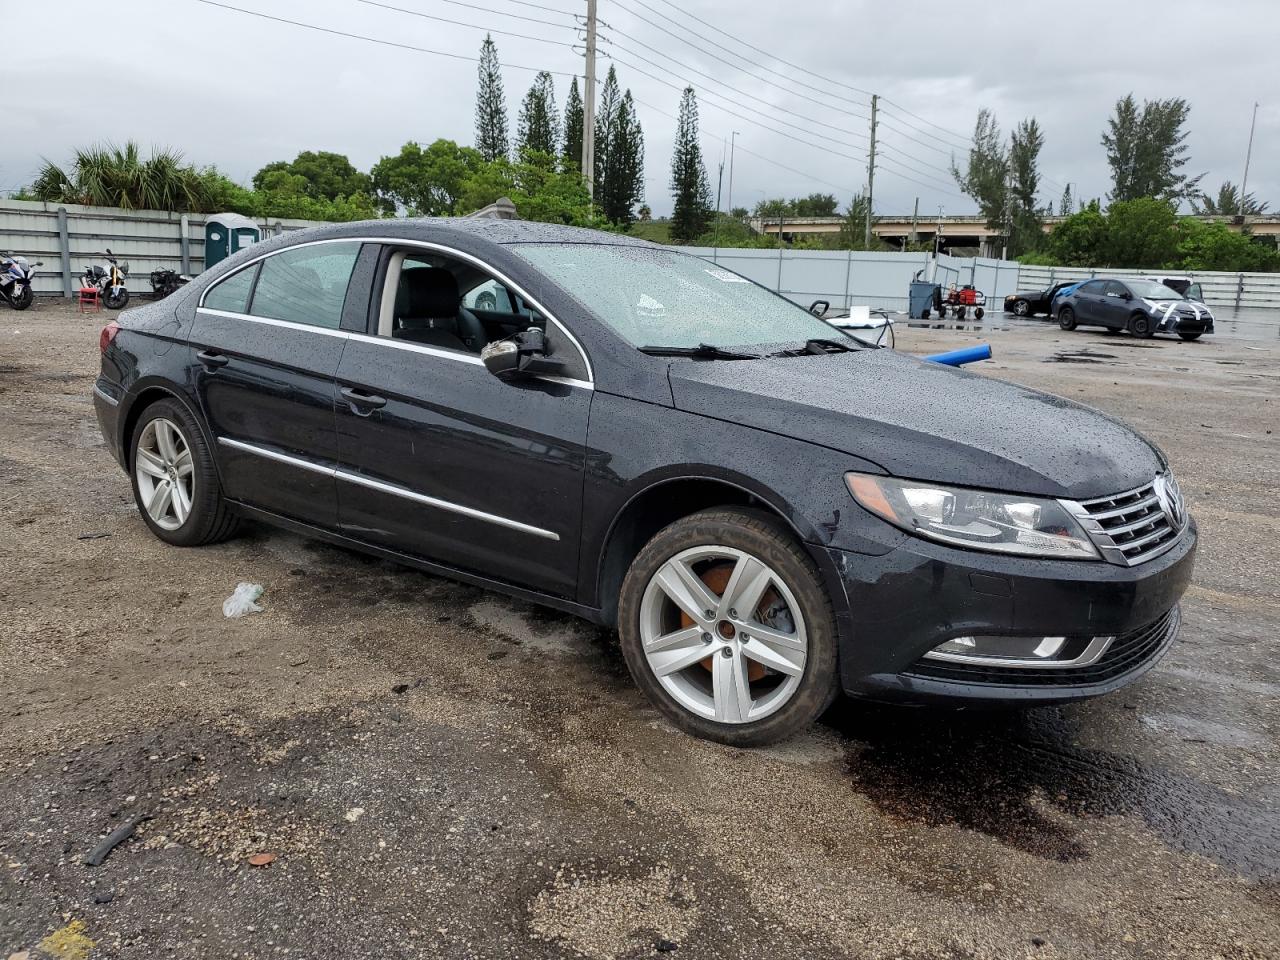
[443,772]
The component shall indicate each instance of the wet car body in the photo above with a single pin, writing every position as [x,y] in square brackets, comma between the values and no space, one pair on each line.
[546,487]
[1029,303]
[1144,307]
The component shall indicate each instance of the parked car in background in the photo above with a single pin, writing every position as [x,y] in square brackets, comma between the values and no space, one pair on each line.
[767,509]
[1183,285]
[1028,303]
[1141,306]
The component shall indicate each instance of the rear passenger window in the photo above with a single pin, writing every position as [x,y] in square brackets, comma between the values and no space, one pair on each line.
[306,285]
[232,294]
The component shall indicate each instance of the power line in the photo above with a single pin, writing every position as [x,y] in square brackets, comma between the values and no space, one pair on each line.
[501,13]
[767,53]
[733,53]
[380,42]
[909,160]
[474,26]
[966,138]
[759,104]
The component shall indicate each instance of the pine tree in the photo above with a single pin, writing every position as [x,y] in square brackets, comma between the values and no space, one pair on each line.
[622,181]
[491,105]
[1067,205]
[1147,150]
[539,127]
[606,131]
[985,177]
[572,156]
[689,185]
[1025,228]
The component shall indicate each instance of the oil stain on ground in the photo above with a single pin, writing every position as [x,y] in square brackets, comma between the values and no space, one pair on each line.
[996,774]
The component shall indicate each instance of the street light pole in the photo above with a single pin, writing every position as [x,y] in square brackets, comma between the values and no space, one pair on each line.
[1248,155]
[733,142]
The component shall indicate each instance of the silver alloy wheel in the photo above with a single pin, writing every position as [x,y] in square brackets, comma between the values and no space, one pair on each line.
[1021,308]
[165,473]
[728,629]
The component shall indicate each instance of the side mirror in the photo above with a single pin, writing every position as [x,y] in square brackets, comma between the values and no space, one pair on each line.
[524,355]
[819,308]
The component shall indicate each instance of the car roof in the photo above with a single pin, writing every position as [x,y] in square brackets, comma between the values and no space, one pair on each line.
[487,229]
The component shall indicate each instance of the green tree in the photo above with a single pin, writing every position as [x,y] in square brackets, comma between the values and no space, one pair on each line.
[1141,233]
[689,185]
[1215,246]
[1066,206]
[1078,241]
[772,209]
[539,125]
[986,173]
[491,105]
[606,130]
[111,176]
[1146,150]
[426,181]
[1228,202]
[621,182]
[572,156]
[853,229]
[1025,225]
[815,205]
[328,175]
[540,191]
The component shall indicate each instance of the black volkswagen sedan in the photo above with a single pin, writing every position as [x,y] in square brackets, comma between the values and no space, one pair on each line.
[1027,303]
[767,509]
[1143,307]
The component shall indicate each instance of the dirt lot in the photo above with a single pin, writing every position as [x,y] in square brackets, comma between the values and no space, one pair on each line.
[444,772]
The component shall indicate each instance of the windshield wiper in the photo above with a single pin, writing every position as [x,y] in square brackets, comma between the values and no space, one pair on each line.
[703,351]
[817,347]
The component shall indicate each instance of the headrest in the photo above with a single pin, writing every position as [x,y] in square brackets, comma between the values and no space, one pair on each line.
[427,294]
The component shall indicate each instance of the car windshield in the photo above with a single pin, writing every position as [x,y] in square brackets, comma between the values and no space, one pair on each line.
[1150,290]
[663,298]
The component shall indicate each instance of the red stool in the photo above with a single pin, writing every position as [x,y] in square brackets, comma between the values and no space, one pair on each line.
[89,298]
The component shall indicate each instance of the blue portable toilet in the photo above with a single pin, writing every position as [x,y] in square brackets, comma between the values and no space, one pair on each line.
[225,233]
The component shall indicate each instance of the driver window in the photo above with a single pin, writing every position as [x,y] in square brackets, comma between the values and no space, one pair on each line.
[1114,289]
[489,297]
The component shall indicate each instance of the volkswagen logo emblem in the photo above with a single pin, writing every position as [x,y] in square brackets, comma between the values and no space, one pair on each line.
[1170,497]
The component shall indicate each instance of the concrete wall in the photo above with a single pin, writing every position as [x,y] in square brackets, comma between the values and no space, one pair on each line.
[68,236]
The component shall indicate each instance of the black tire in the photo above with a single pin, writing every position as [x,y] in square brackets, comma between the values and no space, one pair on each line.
[24,299]
[116,300]
[211,519]
[1140,326]
[924,315]
[768,539]
[978,313]
[1021,308]
[959,311]
[1190,334]
[1067,318]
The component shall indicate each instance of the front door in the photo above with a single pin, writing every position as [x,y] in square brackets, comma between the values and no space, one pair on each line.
[266,345]
[1113,308]
[442,460]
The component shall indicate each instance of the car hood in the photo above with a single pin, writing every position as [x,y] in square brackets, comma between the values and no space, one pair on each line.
[924,421]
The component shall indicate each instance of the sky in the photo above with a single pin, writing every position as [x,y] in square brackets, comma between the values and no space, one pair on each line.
[238,91]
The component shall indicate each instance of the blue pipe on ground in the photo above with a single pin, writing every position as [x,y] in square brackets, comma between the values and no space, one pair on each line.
[957,358]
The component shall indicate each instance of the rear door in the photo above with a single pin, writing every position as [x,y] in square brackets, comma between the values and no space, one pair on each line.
[442,460]
[1087,301]
[266,345]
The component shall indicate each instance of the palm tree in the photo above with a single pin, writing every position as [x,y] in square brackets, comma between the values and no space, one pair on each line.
[111,176]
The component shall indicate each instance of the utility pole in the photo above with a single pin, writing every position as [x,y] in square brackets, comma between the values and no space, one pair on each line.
[719,184]
[589,104]
[1248,155]
[733,142]
[871,172]
[915,222]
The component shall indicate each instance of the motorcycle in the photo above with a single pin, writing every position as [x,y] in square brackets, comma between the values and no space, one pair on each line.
[165,282]
[109,281]
[15,281]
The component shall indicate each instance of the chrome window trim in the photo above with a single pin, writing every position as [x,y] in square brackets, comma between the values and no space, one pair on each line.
[104,396]
[471,358]
[349,477]
[272,322]
[422,245]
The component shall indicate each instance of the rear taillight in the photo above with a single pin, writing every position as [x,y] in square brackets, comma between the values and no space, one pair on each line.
[108,334]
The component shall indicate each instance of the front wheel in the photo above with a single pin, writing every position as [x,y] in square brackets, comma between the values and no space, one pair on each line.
[1190,334]
[1021,308]
[174,481]
[1067,318]
[23,297]
[727,629]
[116,298]
[1140,326]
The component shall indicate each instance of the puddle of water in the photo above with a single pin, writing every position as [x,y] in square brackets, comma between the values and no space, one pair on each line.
[1021,779]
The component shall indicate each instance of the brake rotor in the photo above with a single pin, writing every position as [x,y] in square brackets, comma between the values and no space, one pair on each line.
[716,578]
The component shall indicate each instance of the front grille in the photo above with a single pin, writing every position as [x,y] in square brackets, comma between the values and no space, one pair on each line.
[1130,528]
[1127,652]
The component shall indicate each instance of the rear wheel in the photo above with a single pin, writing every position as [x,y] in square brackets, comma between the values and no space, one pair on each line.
[174,481]
[727,629]
[1067,318]
[1190,334]
[1140,326]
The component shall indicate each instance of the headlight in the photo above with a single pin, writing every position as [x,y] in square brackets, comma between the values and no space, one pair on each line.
[978,519]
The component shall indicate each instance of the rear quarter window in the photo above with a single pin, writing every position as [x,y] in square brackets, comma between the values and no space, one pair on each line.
[232,294]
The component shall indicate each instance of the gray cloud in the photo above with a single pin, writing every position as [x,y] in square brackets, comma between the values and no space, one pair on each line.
[238,92]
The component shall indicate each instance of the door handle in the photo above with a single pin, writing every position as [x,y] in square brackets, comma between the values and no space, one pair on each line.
[361,403]
[212,359]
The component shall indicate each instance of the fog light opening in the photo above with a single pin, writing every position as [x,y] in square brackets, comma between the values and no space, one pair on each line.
[1027,652]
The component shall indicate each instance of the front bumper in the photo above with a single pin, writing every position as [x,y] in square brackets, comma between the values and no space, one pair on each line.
[897,607]
[1173,323]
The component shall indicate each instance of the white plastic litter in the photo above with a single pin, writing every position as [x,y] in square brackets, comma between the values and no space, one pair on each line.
[242,600]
